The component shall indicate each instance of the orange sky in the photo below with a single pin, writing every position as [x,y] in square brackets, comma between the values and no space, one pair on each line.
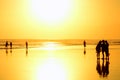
[59,19]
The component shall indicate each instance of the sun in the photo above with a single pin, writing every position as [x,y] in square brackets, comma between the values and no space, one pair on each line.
[50,11]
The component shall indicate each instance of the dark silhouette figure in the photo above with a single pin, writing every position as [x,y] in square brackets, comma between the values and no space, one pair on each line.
[104,47]
[98,49]
[84,43]
[103,69]
[10,45]
[107,49]
[6,44]
[26,48]
[6,47]
[26,45]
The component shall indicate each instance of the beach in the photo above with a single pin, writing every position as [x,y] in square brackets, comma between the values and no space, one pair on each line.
[56,61]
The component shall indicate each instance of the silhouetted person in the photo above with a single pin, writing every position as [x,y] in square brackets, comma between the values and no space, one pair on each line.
[84,43]
[98,49]
[6,47]
[10,45]
[103,47]
[26,45]
[26,48]
[6,44]
[107,49]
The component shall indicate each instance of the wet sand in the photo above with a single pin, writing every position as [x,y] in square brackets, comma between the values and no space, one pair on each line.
[62,63]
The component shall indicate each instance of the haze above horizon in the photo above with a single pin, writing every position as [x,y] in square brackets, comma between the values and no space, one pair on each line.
[59,19]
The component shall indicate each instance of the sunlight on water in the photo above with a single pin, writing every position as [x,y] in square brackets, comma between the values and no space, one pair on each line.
[50,46]
[51,69]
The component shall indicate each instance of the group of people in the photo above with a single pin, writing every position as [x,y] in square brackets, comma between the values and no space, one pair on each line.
[104,47]
[6,44]
[9,45]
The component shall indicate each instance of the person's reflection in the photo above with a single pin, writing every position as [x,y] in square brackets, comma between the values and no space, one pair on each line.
[10,50]
[6,51]
[84,51]
[103,69]
[26,52]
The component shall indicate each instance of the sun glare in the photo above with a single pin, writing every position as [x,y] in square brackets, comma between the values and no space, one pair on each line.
[51,46]
[51,70]
[50,11]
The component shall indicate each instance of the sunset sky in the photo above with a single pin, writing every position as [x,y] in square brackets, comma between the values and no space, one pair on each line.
[59,19]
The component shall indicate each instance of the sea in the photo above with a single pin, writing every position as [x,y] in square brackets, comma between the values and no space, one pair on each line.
[64,59]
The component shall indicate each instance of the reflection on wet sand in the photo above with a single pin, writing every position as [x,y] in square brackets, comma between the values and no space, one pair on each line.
[6,51]
[26,52]
[102,68]
[84,51]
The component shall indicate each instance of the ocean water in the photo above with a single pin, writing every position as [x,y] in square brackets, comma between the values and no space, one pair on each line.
[58,60]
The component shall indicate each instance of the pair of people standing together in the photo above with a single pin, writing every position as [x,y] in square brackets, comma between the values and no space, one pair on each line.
[104,47]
